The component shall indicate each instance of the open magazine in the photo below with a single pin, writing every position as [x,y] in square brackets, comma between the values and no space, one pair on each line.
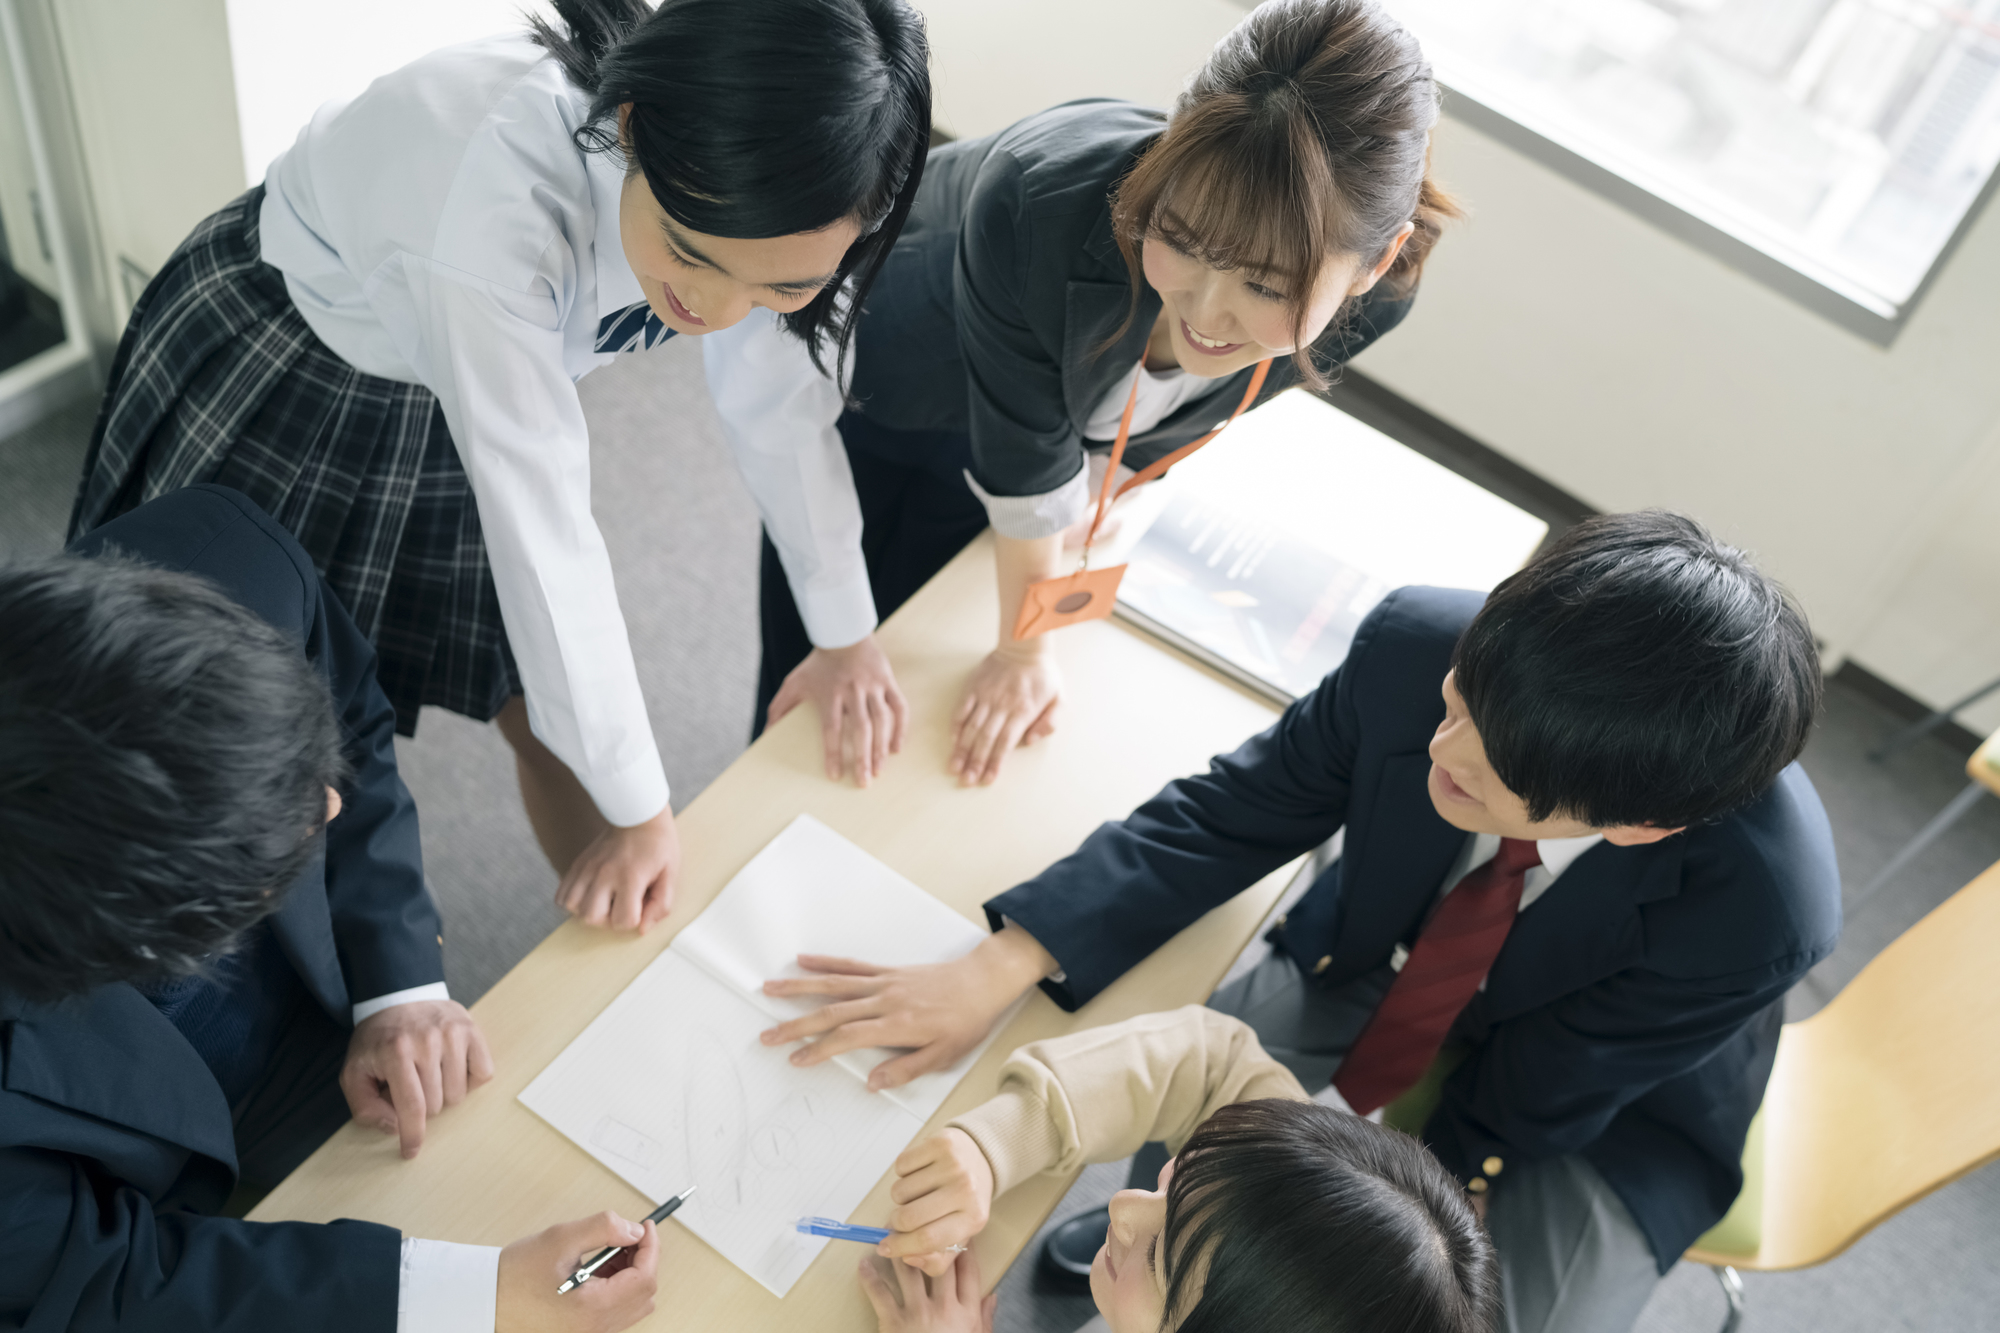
[1245,597]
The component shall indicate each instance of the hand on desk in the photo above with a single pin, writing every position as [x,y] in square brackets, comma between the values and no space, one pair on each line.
[1011,700]
[943,1009]
[862,713]
[625,878]
[944,1194]
[407,1063]
[620,1295]
[916,1304]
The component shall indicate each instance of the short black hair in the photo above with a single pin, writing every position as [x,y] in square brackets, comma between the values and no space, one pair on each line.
[1639,672]
[164,759]
[1292,1215]
[759,118]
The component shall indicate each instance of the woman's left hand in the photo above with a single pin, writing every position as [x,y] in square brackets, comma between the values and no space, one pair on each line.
[944,1194]
[947,1304]
[861,710]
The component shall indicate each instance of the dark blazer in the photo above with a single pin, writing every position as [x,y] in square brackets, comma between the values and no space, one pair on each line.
[1005,280]
[1633,1013]
[115,1140]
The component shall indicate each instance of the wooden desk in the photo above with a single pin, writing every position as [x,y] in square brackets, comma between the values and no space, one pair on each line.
[1133,716]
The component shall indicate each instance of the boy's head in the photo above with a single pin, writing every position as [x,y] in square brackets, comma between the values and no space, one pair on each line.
[167,762]
[1636,678]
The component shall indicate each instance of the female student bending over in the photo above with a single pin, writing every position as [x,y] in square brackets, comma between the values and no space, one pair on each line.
[1275,1213]
[379,346]
[1283,214]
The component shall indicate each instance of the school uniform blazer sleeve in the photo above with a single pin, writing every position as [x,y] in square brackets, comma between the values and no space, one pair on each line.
[1137,882]
[1097,1095]
[1023,442]
[495,359]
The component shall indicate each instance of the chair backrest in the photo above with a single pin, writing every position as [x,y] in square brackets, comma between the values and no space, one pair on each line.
[1890,1091]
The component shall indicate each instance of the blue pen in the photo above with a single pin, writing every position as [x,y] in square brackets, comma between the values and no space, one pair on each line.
[832,1230]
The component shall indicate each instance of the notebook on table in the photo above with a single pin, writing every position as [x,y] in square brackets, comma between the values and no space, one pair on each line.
[670,1087]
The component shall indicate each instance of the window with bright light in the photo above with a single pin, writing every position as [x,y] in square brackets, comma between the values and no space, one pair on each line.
[1846,139]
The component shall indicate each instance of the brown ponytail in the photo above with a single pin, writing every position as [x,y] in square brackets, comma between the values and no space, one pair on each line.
[1306,135]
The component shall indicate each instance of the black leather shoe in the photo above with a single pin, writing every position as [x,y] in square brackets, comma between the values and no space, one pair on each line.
[1070,1248]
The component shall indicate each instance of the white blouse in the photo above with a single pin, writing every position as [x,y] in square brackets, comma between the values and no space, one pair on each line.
[443,229]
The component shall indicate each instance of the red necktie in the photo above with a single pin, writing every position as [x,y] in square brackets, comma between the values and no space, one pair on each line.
[1453,955]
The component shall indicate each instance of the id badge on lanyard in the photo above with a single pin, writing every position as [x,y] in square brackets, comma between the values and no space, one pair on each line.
[1089,594]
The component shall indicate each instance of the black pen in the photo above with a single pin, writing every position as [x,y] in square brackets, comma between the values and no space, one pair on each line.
[603,1256]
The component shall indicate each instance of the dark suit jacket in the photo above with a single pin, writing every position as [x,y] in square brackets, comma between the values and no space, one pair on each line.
[1632,1015]
[986,318]
[115,1140]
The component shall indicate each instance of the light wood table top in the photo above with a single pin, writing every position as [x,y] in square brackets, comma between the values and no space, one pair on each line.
[1133,716]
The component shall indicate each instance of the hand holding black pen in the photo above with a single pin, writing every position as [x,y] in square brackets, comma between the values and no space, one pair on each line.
[618,1296]
[588,1269]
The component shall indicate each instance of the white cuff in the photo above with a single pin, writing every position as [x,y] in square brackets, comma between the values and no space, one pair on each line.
[840,616]
[1031,517]
[1330,1096]
[631,795]
[447,1288]
[367,1009]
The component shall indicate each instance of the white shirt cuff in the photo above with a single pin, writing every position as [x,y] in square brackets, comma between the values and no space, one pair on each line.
[367,1009]
[840,616]
[447,1288]
[631,795]
[1031,517]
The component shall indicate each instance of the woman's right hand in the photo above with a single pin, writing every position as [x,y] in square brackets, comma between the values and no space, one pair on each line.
[1011,700]
[917,1304]
[619,1295]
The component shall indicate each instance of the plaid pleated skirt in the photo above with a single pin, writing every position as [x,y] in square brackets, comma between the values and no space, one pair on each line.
[219,379]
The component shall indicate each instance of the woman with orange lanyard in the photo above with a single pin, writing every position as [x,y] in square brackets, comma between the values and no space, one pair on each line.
[1098,262]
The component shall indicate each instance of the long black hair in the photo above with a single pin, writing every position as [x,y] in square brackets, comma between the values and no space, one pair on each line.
[1291,1215]
[759,118]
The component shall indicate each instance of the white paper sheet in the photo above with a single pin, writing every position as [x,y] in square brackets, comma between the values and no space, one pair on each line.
[670,1087]
[812,891]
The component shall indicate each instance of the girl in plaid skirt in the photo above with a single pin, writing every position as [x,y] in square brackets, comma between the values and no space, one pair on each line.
[379,345]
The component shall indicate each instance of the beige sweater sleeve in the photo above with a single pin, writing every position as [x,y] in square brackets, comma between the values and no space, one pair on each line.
[1095,1096]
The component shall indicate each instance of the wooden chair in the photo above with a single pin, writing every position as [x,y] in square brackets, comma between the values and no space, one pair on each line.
[1886,1094]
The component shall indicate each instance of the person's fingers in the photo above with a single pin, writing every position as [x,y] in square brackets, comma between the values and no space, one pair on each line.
[451,1068]
[895,1073]
[831,716]
[824,1019]
[838,987]
[427,1054]
[862,725]
[899,709]
[925,1207]
[789,696]
[588,1235]
[478,1058]
[968,1278]
[922,1153]
[854,1035]
[964,709]
[641,1263]
[1001,736]
[366,1100]
[1045,725]
[595,901]
[406,1091]
[967,735]
[881,724]
[657,902]
[911,1283]
[847,967]
[935,1264]
[970,757]
[876,1290]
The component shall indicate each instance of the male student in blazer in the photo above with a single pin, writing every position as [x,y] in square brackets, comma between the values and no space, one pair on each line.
[215,946]
[1626,713]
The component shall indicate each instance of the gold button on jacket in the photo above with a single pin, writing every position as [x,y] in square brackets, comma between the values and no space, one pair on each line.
[1491,1166]
[1323,964]
[1476,1185]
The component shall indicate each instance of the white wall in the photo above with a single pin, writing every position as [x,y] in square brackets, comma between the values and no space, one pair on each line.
[1631,369]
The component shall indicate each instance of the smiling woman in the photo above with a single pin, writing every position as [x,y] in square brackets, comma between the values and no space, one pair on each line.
[379,345]
[1282,213]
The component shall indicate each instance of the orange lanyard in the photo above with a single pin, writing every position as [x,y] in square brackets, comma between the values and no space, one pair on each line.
[1105,495]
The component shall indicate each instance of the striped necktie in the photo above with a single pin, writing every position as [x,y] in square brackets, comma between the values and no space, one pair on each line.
[630,329]
[1453,955]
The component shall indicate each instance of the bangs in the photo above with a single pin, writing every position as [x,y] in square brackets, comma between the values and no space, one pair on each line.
[1244,187]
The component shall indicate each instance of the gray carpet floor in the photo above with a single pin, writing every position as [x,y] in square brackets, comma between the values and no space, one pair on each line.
[683,536]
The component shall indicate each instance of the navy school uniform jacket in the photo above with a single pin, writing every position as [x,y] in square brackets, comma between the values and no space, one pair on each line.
[115,1140]
[1632,1015]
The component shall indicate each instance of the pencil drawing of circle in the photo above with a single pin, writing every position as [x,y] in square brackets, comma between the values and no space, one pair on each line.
[1076,601]
[774,1146]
